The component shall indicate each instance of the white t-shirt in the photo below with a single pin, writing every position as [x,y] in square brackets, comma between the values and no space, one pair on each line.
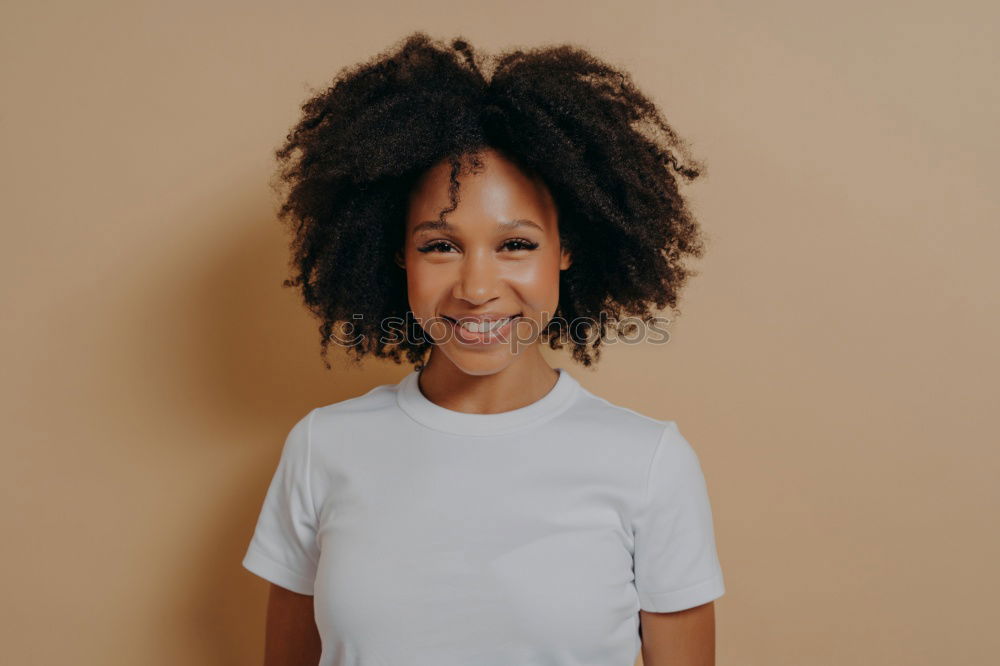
[530,537]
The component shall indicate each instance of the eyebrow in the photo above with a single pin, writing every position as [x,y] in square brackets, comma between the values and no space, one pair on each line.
[504,225]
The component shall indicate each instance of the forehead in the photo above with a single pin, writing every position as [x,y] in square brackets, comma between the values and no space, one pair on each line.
[497,192]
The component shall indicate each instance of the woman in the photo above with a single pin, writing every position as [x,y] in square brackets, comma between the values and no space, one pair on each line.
[487,509]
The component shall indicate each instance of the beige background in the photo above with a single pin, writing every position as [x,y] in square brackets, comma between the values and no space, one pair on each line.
[835,365]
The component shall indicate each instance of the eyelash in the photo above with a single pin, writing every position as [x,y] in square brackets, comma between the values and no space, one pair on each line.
[526,245]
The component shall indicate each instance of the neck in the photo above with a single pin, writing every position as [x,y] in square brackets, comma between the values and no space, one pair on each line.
[522,382]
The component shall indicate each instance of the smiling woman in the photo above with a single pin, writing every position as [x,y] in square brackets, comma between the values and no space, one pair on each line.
[384,145]
[486,509]
[490,276]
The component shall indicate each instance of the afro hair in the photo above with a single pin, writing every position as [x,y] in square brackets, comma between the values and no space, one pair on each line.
[603,149]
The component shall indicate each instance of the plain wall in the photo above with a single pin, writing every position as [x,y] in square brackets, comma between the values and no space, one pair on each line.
[835,364]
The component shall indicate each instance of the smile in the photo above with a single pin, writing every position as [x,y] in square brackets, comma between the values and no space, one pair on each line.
[481,332]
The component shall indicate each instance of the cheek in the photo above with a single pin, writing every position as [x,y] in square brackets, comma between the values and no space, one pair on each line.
[424,286]
[538,283]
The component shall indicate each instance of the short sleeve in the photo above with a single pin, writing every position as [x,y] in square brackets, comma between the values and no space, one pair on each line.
[675,560]
[284,548]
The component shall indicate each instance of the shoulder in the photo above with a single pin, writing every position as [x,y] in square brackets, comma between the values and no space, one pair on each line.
[661,437]
[367,405]
[602,416]
[376,397]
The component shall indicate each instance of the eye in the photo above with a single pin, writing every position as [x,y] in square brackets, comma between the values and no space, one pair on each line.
[520,244]
[434,246]
[444,247]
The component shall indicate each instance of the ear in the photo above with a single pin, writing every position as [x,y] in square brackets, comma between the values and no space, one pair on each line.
[566,260]
[399,259]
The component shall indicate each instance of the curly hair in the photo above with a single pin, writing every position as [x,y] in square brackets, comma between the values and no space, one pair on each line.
[603,149]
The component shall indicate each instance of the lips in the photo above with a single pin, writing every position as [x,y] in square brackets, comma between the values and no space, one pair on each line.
[485,317]
[491,321]
[485,326]
[495,328]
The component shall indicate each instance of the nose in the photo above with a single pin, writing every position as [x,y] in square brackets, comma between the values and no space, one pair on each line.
[478,278]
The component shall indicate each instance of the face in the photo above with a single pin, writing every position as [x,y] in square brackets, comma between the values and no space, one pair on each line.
[498,256]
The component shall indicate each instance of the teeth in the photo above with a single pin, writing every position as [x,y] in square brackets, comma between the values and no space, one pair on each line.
[482,327]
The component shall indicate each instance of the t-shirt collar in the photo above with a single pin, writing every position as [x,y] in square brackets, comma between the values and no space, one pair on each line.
[412,401]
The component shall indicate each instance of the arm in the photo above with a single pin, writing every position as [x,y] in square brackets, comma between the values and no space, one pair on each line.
[291,638]
[683,638]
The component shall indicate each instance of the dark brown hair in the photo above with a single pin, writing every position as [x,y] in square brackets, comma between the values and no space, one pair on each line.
[604,150]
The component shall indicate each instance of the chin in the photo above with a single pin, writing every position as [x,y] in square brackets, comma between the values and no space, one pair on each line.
[481,364]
